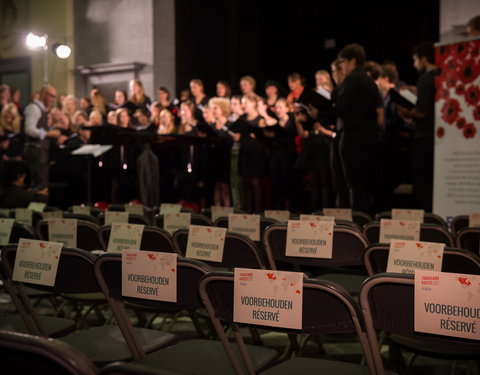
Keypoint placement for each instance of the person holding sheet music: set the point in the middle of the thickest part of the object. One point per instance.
(422, 115)
(356, 106)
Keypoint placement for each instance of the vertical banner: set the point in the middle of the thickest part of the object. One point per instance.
(457, 119)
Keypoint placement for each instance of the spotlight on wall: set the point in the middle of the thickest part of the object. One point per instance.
(61, 50)
(36, 41)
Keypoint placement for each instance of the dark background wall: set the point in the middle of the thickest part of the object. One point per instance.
(269, 39)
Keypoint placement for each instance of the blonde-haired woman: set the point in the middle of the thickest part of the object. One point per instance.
(220, 154)
(98, 102)
(10, 129)
(138, 99)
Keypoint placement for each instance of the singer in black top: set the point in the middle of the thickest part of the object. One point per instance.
(357, 102)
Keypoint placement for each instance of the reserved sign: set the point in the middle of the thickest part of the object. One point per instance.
(316, 218)
(206, 243)
(280, 215)
(408, 256)
(125, 236)
(474, 219)
(309, 239)
(23, 216)
(173, 222)
(5, 212)
(170, 208)
(36, 262)
(270, 298)
(339, 213)
(115, 217)
(399, 230)
(149, 275)
(81, 210)
(447, 304)
(6, 226)
(248, 225)
(37, 206)
(219, 211)
(401, 214)
(57, 214)
(63, 230)
(136, 209)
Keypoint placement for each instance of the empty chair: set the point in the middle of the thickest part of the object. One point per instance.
(265, 222)
(348, 248)
(358, 217)
(208, 212)
(94, 211)
(87, 234)
(101, 344)
(327, 309)
(468, 239)
(122, 368)
(153, 238)
(428, 218)
(191, 356)
(459, 222)
(84, 217)
(387, 301)
(454, 260)
(21, 231)
(428, 233)
(132, 219)
(239, 250)
(26, 354)
(195, 219)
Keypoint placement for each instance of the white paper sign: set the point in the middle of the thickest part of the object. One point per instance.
(170, 208)
(339, 213)
(219, 211)
(63, 230)
(316, 218)
(23, 216)
(115, 217)
(36, 262)
(447, 304)
(136, 209)
(37, 206)
(149, 275)
(125, 236)
(248, 225)
(399, 230)
(280, 215)
(270, 298)
(6, 226)
(310, 239)
(5, 212)
(82, 210)
(408, 256)
(474, 219)
(173, 222)
(401, 214)
(206, 243)
(57, 214)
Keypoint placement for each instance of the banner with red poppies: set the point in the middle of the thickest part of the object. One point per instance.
(457, 127)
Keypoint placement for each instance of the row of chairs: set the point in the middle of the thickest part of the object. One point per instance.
(327, 309)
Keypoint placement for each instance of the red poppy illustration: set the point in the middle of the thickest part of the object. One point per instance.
(450, 110)
(476, 113)
(420, 245)
(461, 123)
(469, 131)
(472, 95)
(464, 281)
(172, 270)
(441, 93)
(297, 291)
(473, 50)
(42, 245)
(440, 132)
(461, 51)
(468, 71)
(271, 276)
(152, 256)
(459, 89)
(313, 225)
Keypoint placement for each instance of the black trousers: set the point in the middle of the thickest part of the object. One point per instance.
(422, 172)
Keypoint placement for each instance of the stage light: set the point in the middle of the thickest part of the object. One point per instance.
(62, 50)
(36, 41)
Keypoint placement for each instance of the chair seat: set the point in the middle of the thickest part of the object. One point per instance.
(309, 366)
(55, 327)
(106, 343)
(440, 349)
(205, 357)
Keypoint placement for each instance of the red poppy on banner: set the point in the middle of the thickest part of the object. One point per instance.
(472, 95)
(461, 123)
(450, 110)
(440, 132)
(469, 131)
